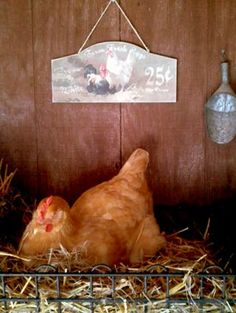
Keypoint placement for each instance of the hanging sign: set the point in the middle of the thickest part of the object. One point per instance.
(114, 72)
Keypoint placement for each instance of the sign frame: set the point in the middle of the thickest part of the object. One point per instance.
(114, 72)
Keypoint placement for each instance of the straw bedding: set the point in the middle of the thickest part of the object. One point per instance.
(188, 257)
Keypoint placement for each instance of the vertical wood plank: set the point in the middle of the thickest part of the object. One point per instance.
(173, 133)
(220, 159)
(78, 144)
(17, 111)
(66, 148)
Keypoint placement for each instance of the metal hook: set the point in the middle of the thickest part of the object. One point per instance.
(223, 55)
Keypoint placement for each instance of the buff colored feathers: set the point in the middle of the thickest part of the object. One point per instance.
(110, 223)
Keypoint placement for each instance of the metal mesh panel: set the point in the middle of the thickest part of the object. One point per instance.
(104, 291)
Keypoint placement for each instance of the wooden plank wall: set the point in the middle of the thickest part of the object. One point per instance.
(66, 148)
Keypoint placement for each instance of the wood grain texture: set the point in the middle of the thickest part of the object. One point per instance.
(67, 148)
(17, 112)
(220, 159)
(78, 144)
(173, 133)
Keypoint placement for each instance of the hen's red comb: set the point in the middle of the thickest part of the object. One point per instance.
(44, 206)
(49, 201)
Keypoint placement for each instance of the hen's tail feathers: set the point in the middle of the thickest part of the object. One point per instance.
(137, 162)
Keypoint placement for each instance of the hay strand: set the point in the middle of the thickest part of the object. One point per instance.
(186, 257)
(5, 179)
(180, 256)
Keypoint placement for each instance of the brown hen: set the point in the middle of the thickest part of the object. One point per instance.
(52, 227)
(110, 223)
(127, 201)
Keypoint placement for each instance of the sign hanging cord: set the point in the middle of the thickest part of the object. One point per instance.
(127, 19)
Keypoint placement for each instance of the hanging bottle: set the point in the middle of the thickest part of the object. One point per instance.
(220, 111)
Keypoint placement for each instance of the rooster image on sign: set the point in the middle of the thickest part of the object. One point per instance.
(114, 72)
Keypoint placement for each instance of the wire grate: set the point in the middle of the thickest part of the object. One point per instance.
(136, 292)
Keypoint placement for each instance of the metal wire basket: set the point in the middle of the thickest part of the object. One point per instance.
(221, 117)
(102, 290)
(221, 110)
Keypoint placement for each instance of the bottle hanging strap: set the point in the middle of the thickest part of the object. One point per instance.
(127, 19)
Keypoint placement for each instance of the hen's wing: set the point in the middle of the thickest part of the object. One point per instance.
(124, 196)
(147, 240)
(125, 204)
(124, 200)
(99, 242)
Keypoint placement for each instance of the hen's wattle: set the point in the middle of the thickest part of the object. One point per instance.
(110, 223)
